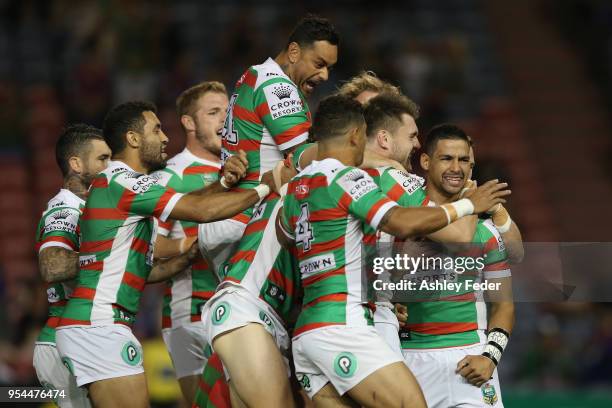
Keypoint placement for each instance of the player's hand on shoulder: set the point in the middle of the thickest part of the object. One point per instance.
(476, 369)
(401, 312)
(488, 195)
(235, 168)
(193, 254)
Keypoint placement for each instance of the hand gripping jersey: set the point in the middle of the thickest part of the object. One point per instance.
(116, 254)
(267, 115)
(58, 227)
(325, 208)
(187, 292)
(459, 318)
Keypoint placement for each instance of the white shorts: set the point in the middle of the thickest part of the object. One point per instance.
(341, 355)
(186, 346)
(434, 370)
(52, 374)
(218, 240)
(94, 353)
(387, 327)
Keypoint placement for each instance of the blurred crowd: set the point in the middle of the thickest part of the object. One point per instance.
(64, 61)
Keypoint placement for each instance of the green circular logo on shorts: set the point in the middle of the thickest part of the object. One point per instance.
(265, 318)
(221, 313)
(68, 364)
(345, 364)
(131, 354)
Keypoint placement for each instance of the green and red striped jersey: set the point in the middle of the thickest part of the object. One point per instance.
(267, 115)
(116, 253)
(58, 227)
(324, 210)
(187, 292)
(458, 318)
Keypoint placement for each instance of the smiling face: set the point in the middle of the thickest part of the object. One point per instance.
(405, 141)
(153, 143)
(448, 167)
(311, 64)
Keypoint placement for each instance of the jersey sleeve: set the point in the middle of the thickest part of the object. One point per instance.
(297, 155)
(362, 197)
(144, 196)
(286, 213)
(166, 179)
(404, 188)
(283, 112)
(494, 251)
(59, 228)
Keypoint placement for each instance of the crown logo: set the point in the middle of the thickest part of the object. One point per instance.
(61, 215)
(282, 91)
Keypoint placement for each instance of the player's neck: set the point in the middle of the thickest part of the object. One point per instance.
(132, 160)
(76, 186)
(437, 196)
(283, 61)
(344, 156)
(201, 152)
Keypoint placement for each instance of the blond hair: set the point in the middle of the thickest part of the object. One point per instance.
(366, 81)
(186, 100)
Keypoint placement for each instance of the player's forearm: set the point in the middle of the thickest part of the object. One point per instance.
(406, 223)
(167, 248)
(58, 264)
(212, 207)
(165, 269)
(459, 231)
(502, 315)
(514, 244)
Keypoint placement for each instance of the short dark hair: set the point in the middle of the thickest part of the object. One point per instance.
(74, 141)
(335, 115)
(313, 28)
(385, 112)
(444, 131)
(122, 119)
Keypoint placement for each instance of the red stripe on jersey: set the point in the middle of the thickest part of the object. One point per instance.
(258, 225)
(102, 214)
(442, 327)
(100, 182)
(246, 145)
(262, 109)
(396, 192)
(241, 218)
(231, 279)
(162, 202)
(96, 246)
(167, 225)
(345, 201)
(466, 297)
(191, 231)
(53, 321)
(312, 326)
(374, 209)
(369, 239)
(206, 294)
(324, 246)
(83, 293)
(292, 133)
(63, 240)
(251, 176)
(196, 318)
(201, 264)
(133, 281)
(243, 255)
(64, 321)
(250, 78)
(425, 201)
(166, 322)
(320, 276)
(280, 280)
(326, 214)
(332, 297)
(168, 290)
(201, 169)
(140, 245)
(219, 394)
(372, 172)
(491, 245)
(93, 266)
(497, 266)
(246, 115)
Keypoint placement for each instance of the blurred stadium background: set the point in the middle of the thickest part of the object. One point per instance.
(531, 81)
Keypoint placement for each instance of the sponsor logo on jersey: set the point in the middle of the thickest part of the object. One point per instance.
(317, 264)
(275, 292)
(142, 182)
(55, 204)
(356, 184)
(52, 295)
(221, 313)
(62, 220)
(258, 213)
(301, 191)
(489, 395)
(131, 354)
(86, 260)
(304, 381)
(409, 182)
(345, 364)
(283, 99)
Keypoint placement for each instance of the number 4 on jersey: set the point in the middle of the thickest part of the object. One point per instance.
(229, 134)
(304, 233)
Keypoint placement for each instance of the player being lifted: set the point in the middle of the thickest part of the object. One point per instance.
(268, 117)
(81, 153)
(444, 342)
(323, 212)
(94, 337)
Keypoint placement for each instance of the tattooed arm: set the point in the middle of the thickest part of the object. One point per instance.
(58, 264)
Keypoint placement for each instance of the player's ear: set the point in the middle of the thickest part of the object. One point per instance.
(188, 123)
(425, 161)
(384, 139)
(76, 164)
(294, 51)
(132, 139)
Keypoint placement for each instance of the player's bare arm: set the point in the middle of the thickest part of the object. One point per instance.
(410, 222)
(169, 247)
(58, 264)
(167, 268)
(478, 369)
(510, 233)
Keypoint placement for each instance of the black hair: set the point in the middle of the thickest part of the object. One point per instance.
(314, 28)
(122, 119)
(444, 131)
(385, 112)
(335, 115)
(74, 141)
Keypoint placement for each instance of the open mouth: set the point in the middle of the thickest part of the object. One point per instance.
(310, 85)
(454, 180)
